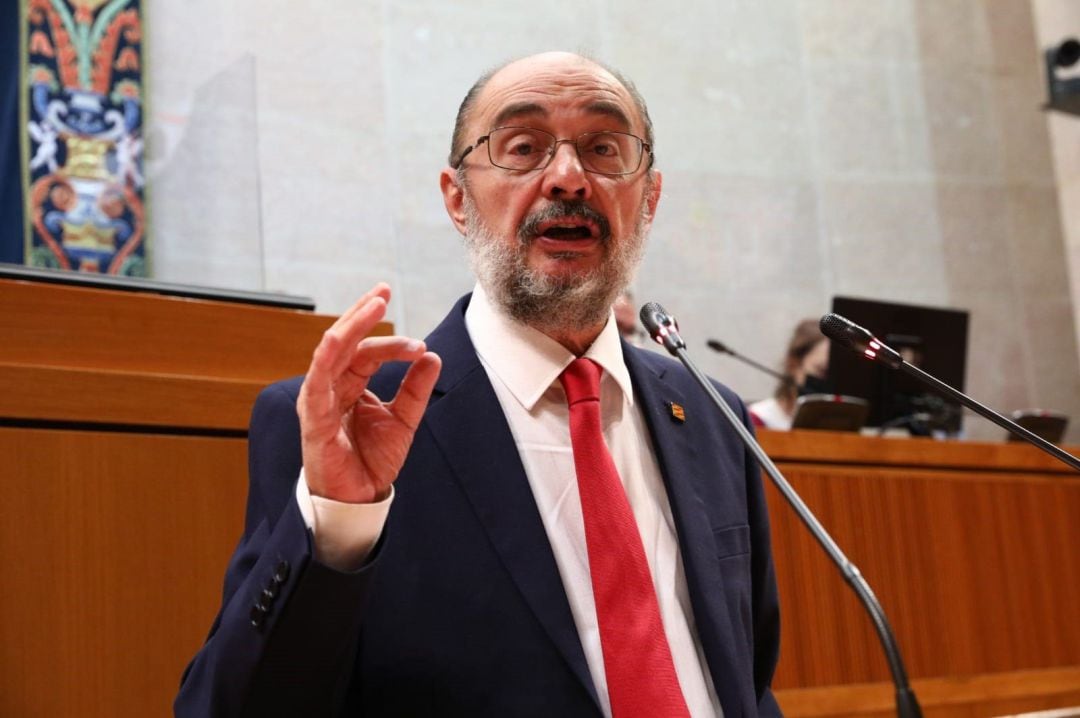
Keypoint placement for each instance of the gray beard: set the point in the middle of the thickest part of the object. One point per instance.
(550, 304)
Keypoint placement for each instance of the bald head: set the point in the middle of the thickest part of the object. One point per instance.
(550, 64)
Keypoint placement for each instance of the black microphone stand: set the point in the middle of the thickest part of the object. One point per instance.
(987, 413)
(663, 329)
(718, 346)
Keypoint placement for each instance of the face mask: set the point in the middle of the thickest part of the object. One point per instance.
(815, 385)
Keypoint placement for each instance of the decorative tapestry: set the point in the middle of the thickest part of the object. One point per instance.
(82, 110)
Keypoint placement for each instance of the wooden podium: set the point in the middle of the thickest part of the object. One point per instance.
(123, 424)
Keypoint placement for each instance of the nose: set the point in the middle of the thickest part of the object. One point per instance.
(564, 177)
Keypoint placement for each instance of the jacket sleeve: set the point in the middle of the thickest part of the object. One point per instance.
(284, 639)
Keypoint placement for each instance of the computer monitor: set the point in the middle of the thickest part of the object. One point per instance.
(933, 339)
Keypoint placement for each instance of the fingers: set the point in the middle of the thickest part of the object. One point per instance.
(412, 398)
(357, 321)
(371, 353)
(346, 358)
(374, 351)
(382, 290)
(339, 342)
(335, 350)
(348, 331)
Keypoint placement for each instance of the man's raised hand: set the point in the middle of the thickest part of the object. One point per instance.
(353, 443)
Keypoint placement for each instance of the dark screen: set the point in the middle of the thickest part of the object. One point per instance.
(933, 339)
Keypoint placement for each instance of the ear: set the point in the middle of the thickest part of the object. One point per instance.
(652, 198)
(453, 197)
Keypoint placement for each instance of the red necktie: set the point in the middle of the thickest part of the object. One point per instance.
(641, 676)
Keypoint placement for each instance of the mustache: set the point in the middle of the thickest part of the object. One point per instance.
(560, 209)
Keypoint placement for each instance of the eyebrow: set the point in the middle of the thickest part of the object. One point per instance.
(521, 110)
(610, 110)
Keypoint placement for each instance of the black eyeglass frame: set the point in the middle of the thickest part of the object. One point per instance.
(646, 148)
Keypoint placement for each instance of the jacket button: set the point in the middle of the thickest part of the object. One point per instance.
(268, 596)
(258, 615)
(281, 573)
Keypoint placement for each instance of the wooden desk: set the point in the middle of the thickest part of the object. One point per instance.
(973, 551)
(123, 432)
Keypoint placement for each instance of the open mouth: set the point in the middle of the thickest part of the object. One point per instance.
(567, 233)
(562, 221)
(568, 229)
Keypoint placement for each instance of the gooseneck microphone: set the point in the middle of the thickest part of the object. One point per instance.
(664, 330)
(662, 327)
(849, 334)
(854, 337)
(719, 346)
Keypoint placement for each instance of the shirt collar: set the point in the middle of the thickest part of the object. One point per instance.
(527, 361)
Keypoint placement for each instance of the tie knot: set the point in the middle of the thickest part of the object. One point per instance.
(581, 381)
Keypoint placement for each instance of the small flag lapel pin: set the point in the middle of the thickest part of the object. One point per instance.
(677, 412)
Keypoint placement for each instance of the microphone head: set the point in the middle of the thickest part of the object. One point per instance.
(849, 334)
(653, 316)
(662, 327)
(845, 331)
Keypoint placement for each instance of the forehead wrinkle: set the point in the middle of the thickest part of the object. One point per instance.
(595, 90)
(527, 110)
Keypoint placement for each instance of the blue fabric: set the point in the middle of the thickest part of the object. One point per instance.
(11, 196)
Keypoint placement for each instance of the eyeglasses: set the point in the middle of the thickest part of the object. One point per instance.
(524, 149)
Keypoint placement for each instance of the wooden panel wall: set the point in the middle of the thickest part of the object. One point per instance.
(123, 422)
(972, 550)
(115, 546)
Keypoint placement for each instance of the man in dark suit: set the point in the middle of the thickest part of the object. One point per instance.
(574, 531)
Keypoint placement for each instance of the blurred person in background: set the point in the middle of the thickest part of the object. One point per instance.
(626, 319)
(806, 363)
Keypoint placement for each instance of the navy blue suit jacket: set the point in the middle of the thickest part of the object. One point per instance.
(460, 609)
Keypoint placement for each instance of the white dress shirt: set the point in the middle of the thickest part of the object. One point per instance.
(524, 367)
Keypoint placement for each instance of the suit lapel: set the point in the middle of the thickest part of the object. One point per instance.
(679, 449)
(469, 426)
